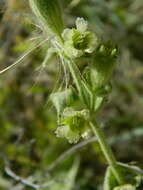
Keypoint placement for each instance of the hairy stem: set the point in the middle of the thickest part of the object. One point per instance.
(77, 78)
(84, 91)
(95, 128)
(106, 149)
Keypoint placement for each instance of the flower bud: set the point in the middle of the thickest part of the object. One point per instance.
(103, 64)
(49, 13)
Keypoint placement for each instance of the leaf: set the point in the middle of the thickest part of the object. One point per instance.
(67, 179)
(4, 183)
(98, 102)
(132, 174)
(49, 13)
(2, 8)
(125, 187)
(109, 180)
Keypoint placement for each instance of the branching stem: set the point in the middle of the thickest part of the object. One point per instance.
(96, 129)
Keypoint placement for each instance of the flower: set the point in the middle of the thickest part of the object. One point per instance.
(79, 41)
(73, 125)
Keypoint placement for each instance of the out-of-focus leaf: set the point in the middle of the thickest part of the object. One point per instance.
(4, 184)
(109, 181)
(132, 174)
(2, 8)
(67, 178)
(125, 187)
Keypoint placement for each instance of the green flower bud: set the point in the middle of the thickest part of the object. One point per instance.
(73, 125)
(79, 41)
(103, 64)
(49, 13)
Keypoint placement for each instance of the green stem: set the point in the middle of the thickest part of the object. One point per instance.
(96, 129)
(77, 78)
(84, 91)
(107, 152)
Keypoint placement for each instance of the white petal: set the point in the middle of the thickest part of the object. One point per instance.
(67, 34)
(81, 24)
(86, 135)
(70, 51)
(62, 131)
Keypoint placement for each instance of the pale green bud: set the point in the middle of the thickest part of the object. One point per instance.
(103, 63)
(49, 13)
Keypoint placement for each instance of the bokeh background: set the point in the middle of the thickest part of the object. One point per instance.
(28, 145)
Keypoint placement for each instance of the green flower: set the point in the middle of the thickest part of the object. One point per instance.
(79, 41)
(73, 125)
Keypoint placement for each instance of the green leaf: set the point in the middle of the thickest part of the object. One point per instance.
(4, 183)
(2, 8)
(110, 181)
(132, 174)
(125, 187)
(67, 178)
(49, 13)
(98, 102)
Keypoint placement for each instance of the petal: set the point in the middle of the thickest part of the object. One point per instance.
(62, 131)
(65, 132)
(72, 52)
(90, 50)
(67, 34)
(81, 24)
(73, 137)
(93, 42)
(86, 134)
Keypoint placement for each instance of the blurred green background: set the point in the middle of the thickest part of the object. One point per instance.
(28, 145)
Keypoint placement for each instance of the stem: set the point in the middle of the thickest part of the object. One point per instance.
(107, 152)
(95, 128)
(77, 79)
(76, 76)
(85, 93)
